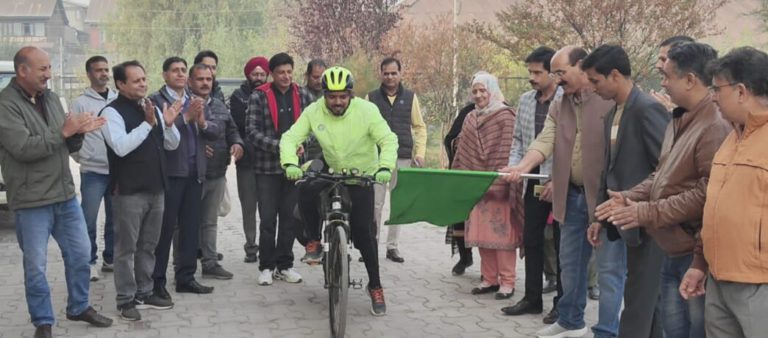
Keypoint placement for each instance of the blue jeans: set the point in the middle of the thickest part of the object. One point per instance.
(575, 252)
(680, 318)
(63, 220)
(93, 188)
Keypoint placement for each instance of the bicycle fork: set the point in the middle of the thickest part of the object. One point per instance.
(354, 283)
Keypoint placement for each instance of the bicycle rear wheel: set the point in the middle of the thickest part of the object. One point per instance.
(338, 283)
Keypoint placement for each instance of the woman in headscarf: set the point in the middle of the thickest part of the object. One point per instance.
(495, 224)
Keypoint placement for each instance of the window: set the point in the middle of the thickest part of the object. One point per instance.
(22, 29)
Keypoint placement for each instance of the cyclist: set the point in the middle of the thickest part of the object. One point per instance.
(350, 131)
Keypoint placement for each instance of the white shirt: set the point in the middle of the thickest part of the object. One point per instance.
(123, 143)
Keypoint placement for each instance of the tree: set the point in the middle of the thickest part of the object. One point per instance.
(638, 26)
(152, 30)
(335, 29)
(428, 68)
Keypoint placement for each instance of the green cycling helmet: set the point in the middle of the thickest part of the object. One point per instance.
(336, 79)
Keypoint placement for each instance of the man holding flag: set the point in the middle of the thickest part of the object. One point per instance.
(573, 135)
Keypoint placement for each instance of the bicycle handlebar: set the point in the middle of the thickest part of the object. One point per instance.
(361, 180)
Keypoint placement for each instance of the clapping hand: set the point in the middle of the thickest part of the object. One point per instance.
(171, 113)
(149, 112)
(80, 124)
(92, 124)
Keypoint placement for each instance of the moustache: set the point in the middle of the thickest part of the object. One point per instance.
(533, 83)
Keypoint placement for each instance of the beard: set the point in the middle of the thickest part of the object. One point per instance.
(256, 83)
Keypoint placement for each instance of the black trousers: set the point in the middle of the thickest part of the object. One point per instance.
(277, 199)
(183, 205)
(361, 222)
(536, 215)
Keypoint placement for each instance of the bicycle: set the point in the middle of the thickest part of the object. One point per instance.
(336, 242)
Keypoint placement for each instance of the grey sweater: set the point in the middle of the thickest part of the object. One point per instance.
(93, 155)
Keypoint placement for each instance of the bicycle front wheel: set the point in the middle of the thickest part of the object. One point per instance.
(338, 284)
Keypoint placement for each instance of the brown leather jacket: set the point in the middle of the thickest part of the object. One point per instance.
(672, 198)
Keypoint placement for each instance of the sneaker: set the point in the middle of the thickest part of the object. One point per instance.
(153, 302)
(107, 267)
(129, 312)
(217, 272)
(289, 275)
(557, 331)
(378, 306)
(314, 253)
(94, 273)
(265, 277)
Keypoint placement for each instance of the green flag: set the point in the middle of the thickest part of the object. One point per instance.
(440, 197)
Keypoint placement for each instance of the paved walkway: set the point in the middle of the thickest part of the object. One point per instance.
(423, 298)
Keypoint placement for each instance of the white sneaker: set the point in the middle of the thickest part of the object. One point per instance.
(94, 273)
(265, 277)
(289, 275)
(557, 331)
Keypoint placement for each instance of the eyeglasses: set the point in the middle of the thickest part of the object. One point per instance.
(716, 89)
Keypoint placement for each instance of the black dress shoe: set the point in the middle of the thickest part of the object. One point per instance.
(161, 292)
(193, 287)
(394, 255)
(551, 317)
(92, 317)
(550, 287)
(460, 267)
(251, 258)
(501, 295)
(522, 307)
(43, 331)
(483, 290)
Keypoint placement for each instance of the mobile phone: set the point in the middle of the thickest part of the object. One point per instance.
(537, 190)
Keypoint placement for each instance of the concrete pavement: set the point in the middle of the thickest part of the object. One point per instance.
(423, 298)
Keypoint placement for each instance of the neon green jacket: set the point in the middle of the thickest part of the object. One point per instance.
(348, 142)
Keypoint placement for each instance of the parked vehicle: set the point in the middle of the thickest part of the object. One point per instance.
(6, 73)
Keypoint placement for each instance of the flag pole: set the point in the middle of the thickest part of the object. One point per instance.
(529, 176)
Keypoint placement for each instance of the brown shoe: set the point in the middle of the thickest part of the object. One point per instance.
(43, 331)
(92, 317)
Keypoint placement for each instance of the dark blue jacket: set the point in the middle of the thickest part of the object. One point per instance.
(176, 160)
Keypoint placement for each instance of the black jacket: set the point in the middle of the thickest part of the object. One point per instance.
(228, 135)
(450, 149)
(637, 148)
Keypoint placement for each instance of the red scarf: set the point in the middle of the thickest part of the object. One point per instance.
(272, 101)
